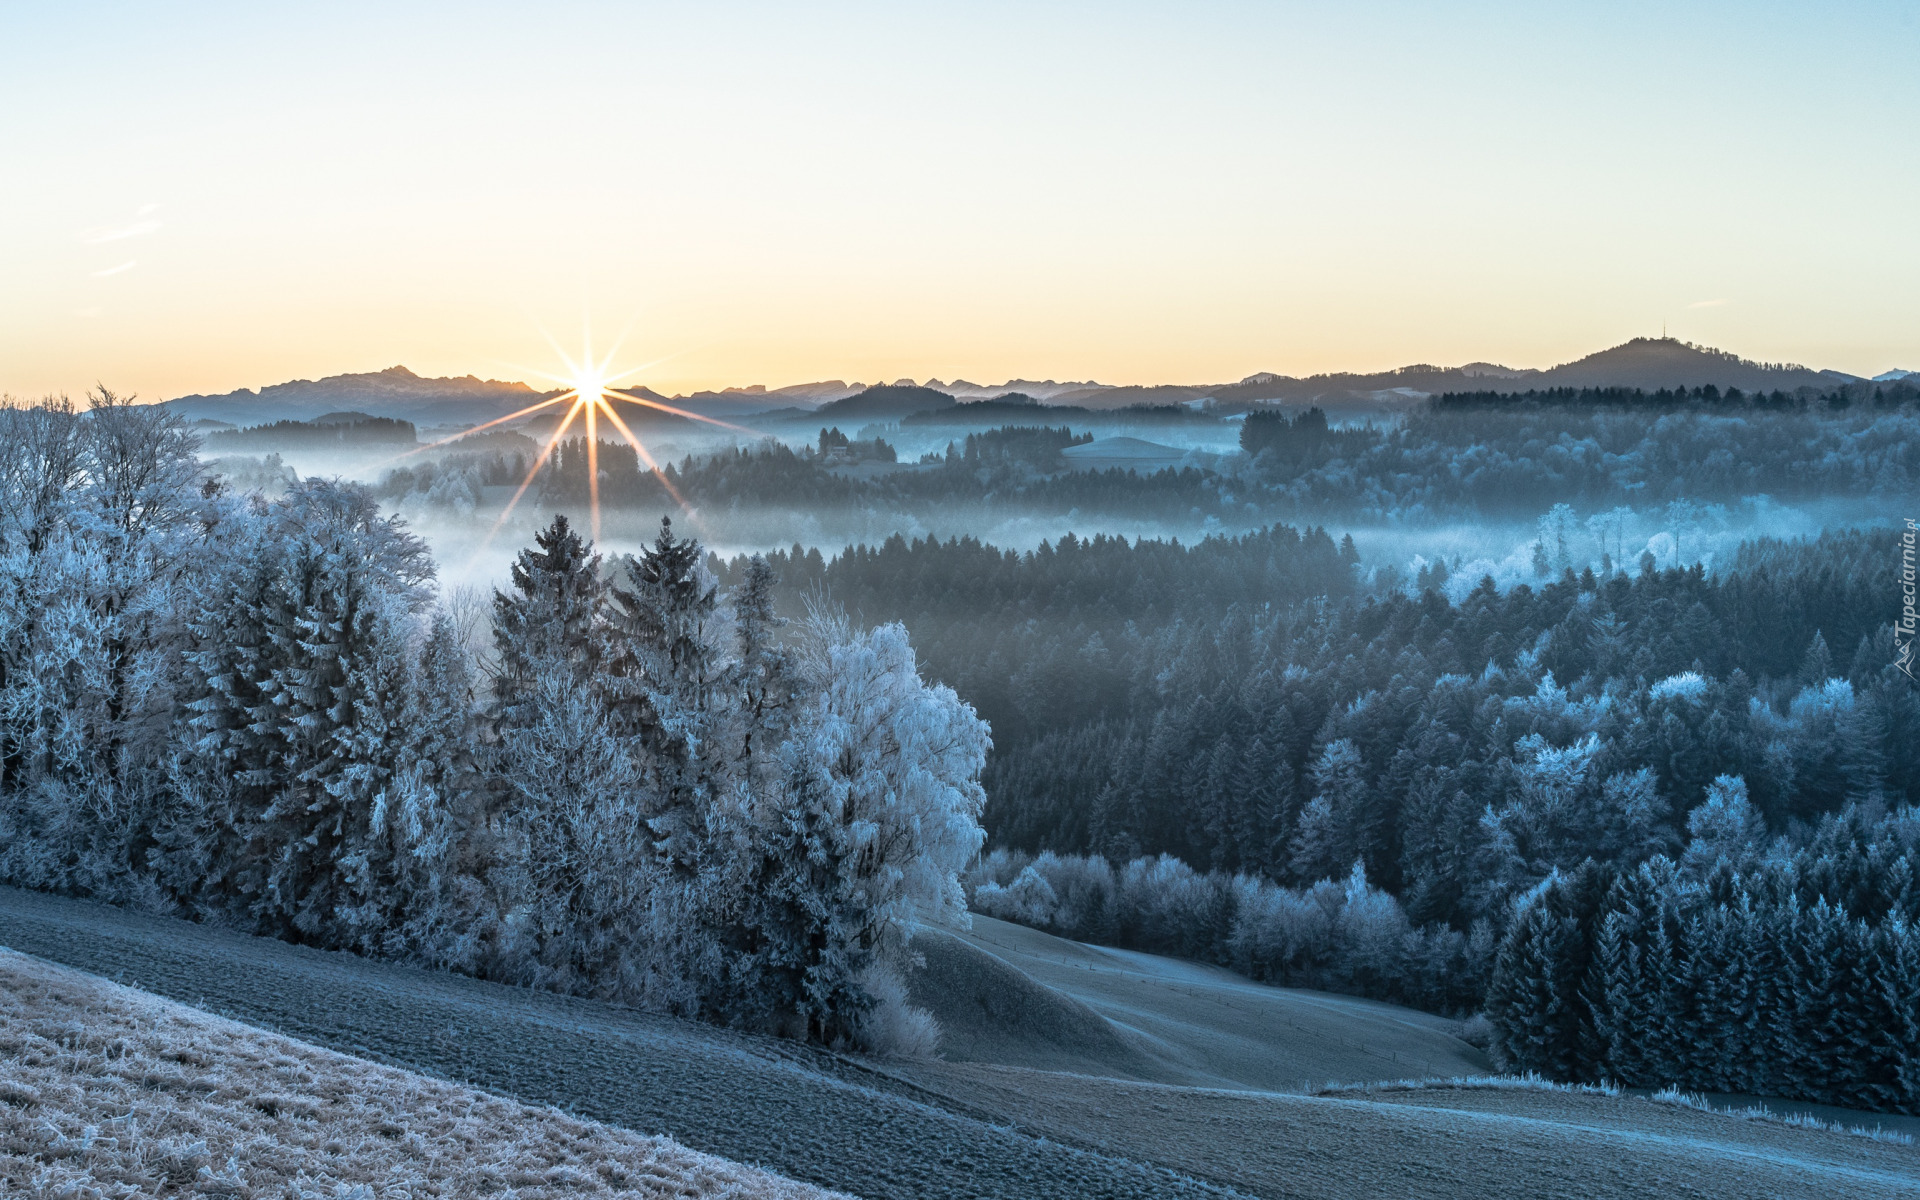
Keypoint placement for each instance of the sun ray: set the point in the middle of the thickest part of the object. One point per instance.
(589, 389)
(594, 404)
(470, 432)
(681, 412)
(640, 448)
(539, 461)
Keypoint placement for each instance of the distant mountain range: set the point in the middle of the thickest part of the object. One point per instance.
(1648, 363)
(394, 392)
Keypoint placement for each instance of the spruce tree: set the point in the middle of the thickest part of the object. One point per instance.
(553, 616)
(661, 681)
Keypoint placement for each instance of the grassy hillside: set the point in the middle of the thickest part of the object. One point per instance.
(789, 1108)
(1125, 1036)
(1166, 1021)
(102, 1086)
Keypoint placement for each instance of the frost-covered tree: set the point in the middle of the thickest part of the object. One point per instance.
(904, 756)
(1724, 828)
(1326, 839)
(296, 662)
(551, 618)
(97, 525)
(663, 683)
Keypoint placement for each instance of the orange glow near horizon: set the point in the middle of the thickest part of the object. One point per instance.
(1141, 194)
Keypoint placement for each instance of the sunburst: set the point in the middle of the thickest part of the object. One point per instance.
(590, 395)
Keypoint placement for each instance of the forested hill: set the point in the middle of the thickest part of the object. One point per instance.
(1468, 458)
(1234, 703)
(1657, 822)
(1831, 396)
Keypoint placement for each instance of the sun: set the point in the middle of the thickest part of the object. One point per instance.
(589, 393)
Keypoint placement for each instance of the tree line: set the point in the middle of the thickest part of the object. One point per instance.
(619, 782)
(1747, 966)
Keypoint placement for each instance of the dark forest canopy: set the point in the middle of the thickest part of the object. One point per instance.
(1148, 697)
(1575, 803)
(343, 429)
(1897, 394)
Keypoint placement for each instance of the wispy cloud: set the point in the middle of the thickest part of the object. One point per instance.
(125, 266)
(141, 225)
(1707, 304)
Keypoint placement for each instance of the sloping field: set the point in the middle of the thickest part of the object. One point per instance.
(1439, 1145)
(105, 1087)
(799, 1112)
(977, 1128)
(1170, 1021)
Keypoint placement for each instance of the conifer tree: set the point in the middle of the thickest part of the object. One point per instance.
(661, 682)
(552, 618)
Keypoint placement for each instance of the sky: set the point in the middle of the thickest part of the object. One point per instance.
(196, 198)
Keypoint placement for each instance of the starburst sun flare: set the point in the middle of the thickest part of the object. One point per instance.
(588, 396)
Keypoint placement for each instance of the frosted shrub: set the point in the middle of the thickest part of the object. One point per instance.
(891, 1027)
(1344, 935)
(1688, 686)
(1029, 900)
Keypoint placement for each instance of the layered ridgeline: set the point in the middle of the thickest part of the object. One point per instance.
(1470, 457)
(1643, 363)
(253, 711)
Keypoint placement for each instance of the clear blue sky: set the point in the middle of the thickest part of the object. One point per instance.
(204, 197)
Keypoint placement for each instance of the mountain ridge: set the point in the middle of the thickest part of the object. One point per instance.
(1646, 363)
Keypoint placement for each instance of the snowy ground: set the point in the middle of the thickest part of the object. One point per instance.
(104, 1087)
(986, 1128)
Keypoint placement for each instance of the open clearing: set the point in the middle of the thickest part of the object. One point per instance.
(1111, 1118)
(1166, 1021)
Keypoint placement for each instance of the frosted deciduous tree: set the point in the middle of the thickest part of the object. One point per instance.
(96, 525)
(1724, 828)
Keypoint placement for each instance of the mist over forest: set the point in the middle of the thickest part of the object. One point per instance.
(1537, 707)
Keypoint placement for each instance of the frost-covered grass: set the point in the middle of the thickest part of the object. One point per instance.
(1531, 1082)
(108, 1092)
(1760, 1112)
(1528, 1082)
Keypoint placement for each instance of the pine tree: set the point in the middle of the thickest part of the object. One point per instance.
(335, 693)
(1524, 1000)
(1816, 667)
(661, 682)
(438, 816)
(553, 615)
(765, 683)
(1820, 1019)
(1324, 845)
(1616, 992)
(798, 957)
(358, 898)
